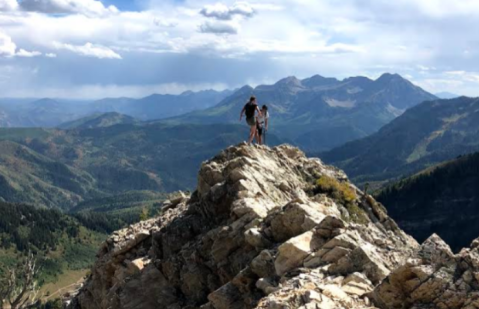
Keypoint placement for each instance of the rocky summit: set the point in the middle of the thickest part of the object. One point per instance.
(271, 228)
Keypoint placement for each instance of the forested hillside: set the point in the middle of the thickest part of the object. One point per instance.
(443, 199)
(59, 242)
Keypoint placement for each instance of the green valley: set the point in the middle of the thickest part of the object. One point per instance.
(62, 168)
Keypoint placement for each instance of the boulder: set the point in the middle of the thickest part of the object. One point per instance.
(292, 253)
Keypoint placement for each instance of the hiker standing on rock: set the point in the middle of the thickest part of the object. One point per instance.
(250, 110)
(262, 125)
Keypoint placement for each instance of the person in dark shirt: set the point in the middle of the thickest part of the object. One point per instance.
(250, 109)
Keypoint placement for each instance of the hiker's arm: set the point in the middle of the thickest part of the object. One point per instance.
(266, 121)
(259, 111)
(242, 112)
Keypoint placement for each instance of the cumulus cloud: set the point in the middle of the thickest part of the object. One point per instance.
(7, 46)
(218, 27)
(51, 55)
(87, 7)
(28, 54)
(223, 12)
(89, 50)
(8, 5)
(164, 23)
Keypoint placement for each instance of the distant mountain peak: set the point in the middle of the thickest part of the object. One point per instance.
(187, 93)
(357, 78)
(388, 77)
(290, 80)
(318, 80)
(246, 88)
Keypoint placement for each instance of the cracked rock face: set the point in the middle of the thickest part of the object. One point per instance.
(433, 278)
(254, 236)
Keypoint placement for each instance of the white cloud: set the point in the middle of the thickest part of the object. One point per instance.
(8, 5)
(51, 55)
(423, 39)
(219, 27)
(89, 50)
(7, 46)
(87, 7)
(28, 54)
(224, 12)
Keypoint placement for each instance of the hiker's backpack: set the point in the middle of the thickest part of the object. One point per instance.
(250, 108)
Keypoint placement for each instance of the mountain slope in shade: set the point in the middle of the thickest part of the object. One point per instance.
(442, 200)
(424, 135)
(320, 113)
(99, 121)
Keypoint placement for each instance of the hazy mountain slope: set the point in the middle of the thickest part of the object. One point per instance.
(29, 177)
(427, 134)
(52, 113)
(160, 106)
(319, 113)
(446, 95)
(442, 200)
(148, 157)
(64, 167)
(98, 121)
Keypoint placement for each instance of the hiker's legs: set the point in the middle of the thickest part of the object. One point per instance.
(252, 134)
(259, 138)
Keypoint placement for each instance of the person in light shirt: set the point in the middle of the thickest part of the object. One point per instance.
(262, 120)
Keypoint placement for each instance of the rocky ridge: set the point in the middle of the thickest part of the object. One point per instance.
(259, 233)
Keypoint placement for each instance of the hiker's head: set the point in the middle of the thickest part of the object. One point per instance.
(264, 108)
(252, 99)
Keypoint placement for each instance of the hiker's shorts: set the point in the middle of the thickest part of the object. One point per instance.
(259, 129)
(251, 121)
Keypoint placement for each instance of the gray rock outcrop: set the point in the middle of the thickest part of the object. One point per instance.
(258, 234)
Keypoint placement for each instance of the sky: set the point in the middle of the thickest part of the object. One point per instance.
(90, 49)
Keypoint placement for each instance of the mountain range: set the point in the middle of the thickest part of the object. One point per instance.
(316, 113)
(320, 113)
(52, 113)
(427, 134)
